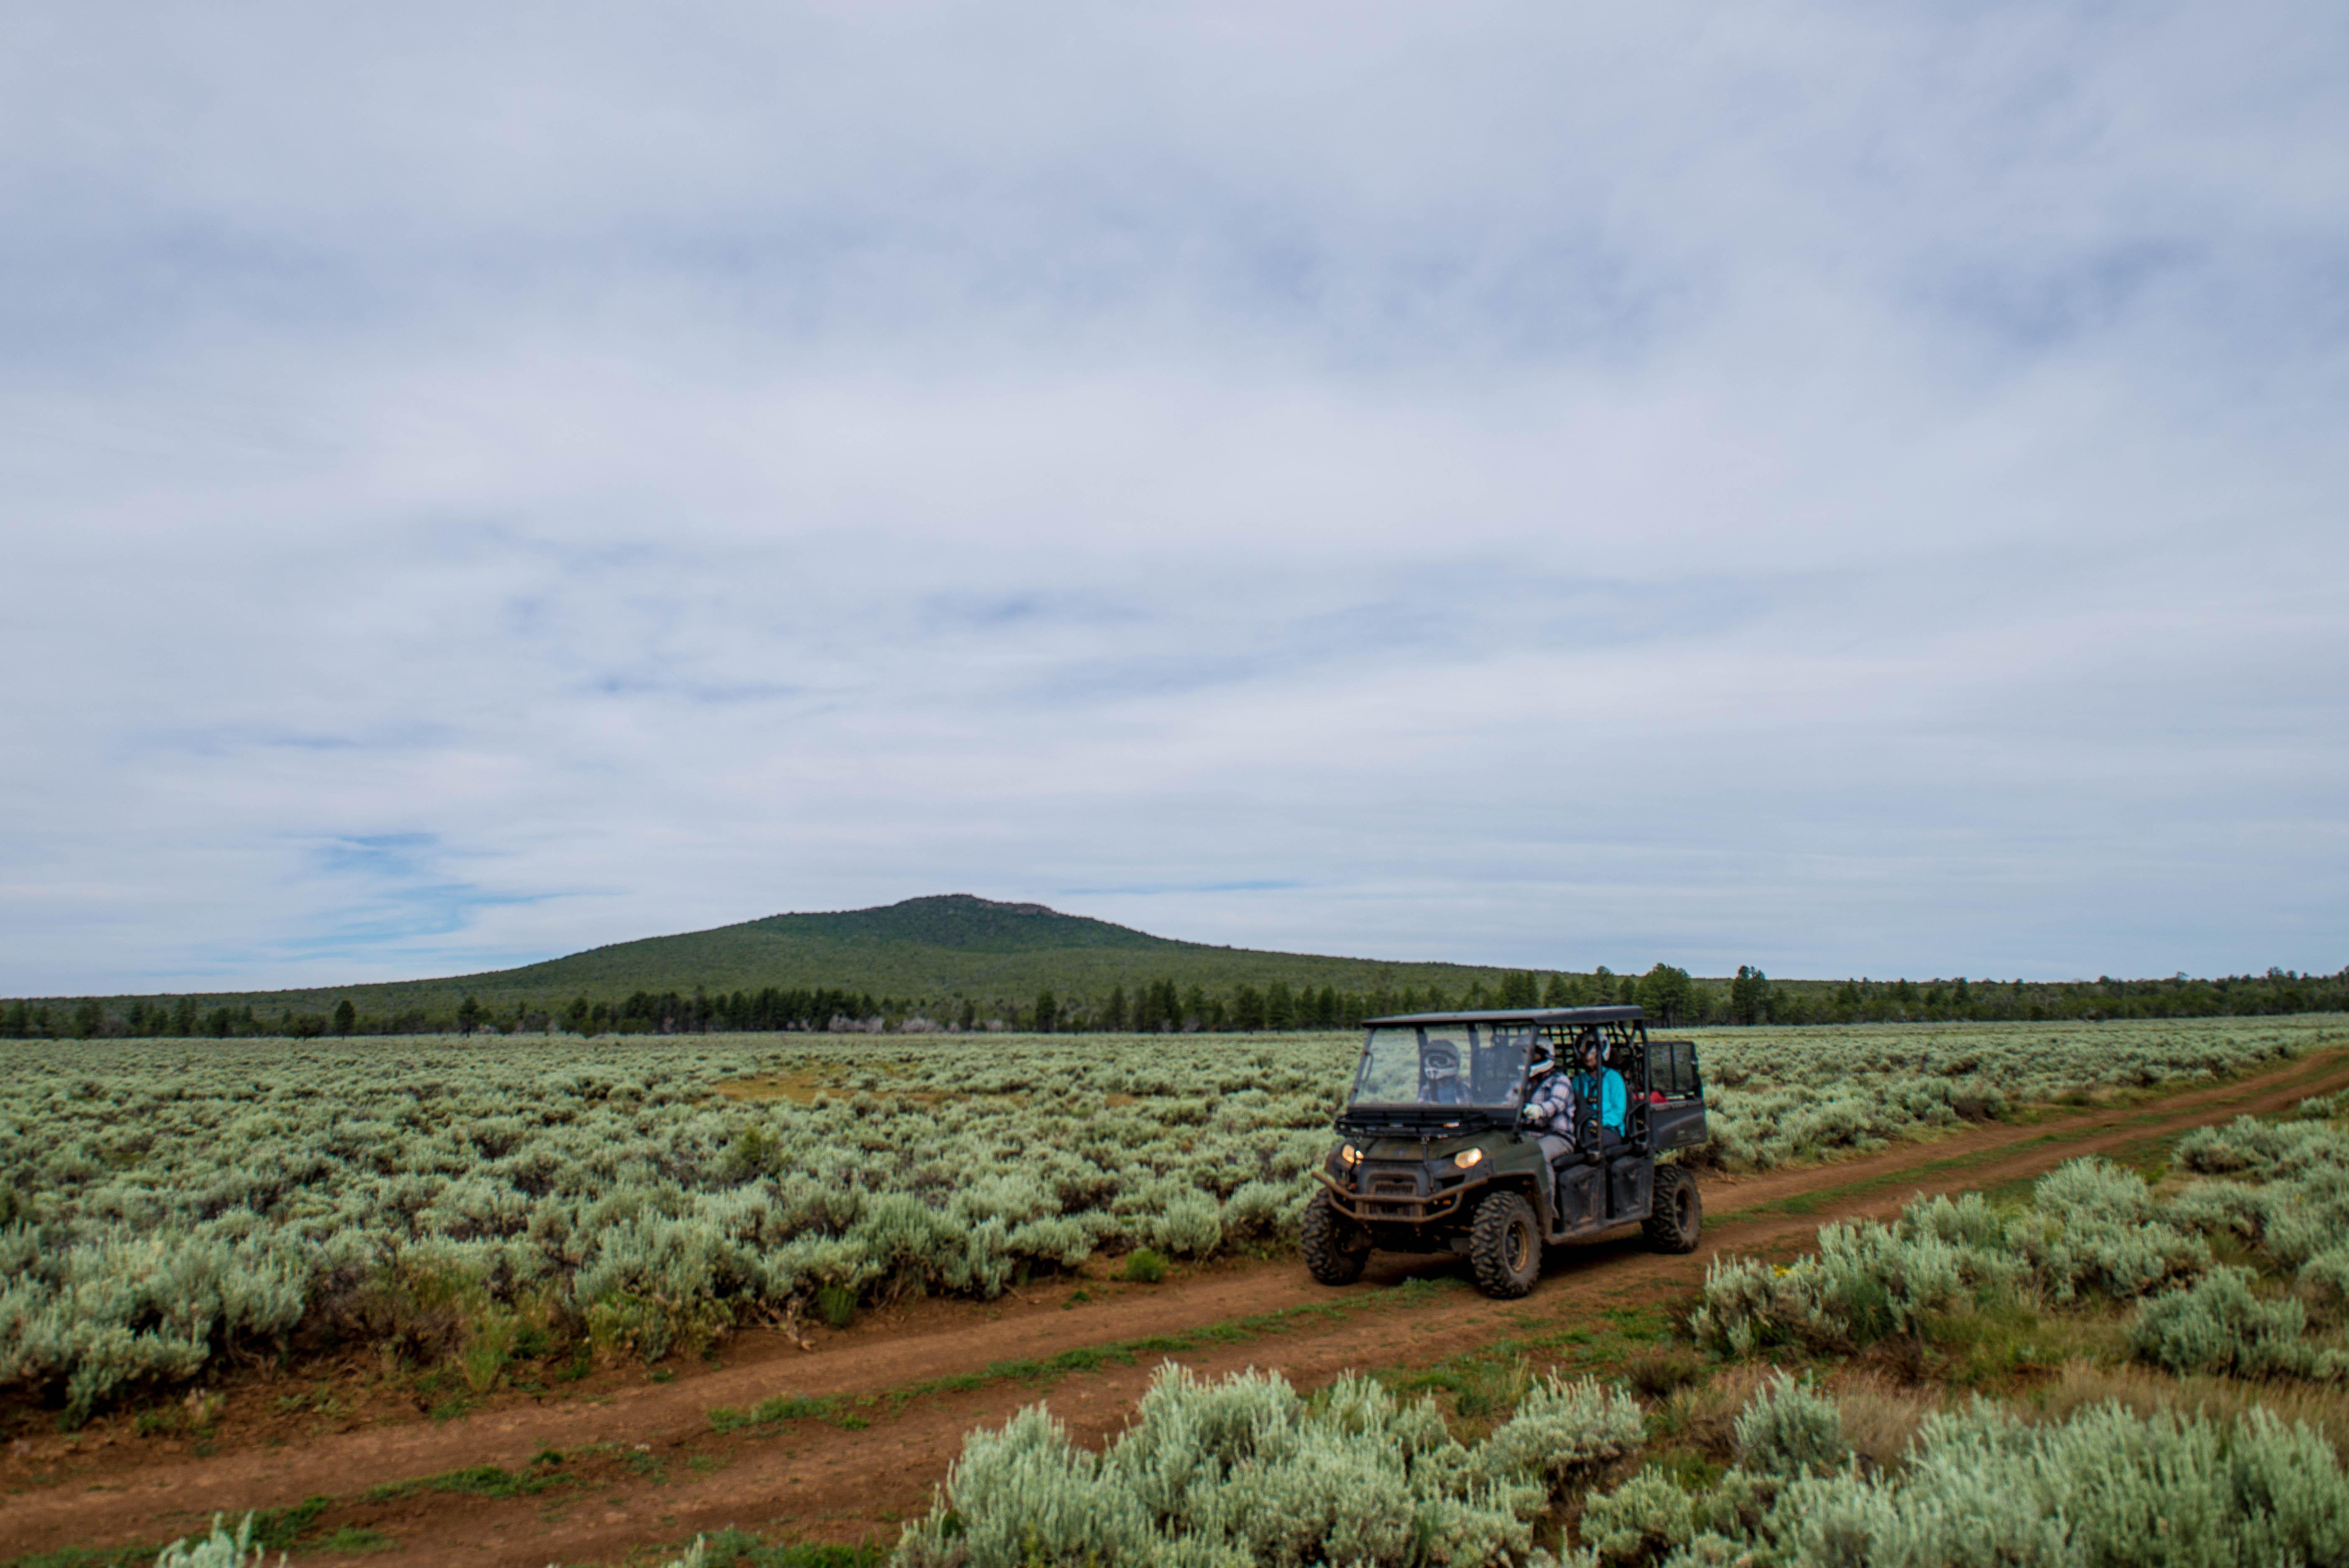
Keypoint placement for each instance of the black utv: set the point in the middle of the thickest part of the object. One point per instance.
(1437, 1157)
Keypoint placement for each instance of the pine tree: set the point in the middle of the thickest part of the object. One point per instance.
(1114, 1015)
(347, 1017)
(1664, 992)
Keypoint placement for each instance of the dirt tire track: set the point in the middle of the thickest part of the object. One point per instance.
(825, 1483)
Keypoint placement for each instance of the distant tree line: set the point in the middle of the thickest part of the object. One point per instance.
(1668, 995)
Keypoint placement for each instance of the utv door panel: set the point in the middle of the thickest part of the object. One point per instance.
(1676, 1124)
(1578, 1196)
(1628, 1188)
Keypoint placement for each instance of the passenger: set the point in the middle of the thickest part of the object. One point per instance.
(1549, 1106)
(1439, 1075)
(1599, 1087)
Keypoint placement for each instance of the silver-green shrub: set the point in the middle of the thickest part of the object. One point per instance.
(1639, 1521)
(1235, 1472)
(1788, 1430)
(1563, 1432)
(2220, 1325)
(218, 1549)
(1982, 1488)
(2093, 1227)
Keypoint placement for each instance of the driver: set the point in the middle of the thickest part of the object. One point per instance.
(1439, 1075)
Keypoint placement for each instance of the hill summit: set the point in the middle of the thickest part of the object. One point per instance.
(932, 954)
(963, 922)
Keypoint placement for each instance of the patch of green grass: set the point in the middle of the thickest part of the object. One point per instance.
(1872, 1186)
(88, 1557)
(477, 1480)
(837, 1304)
(1144, 1267)
(730, 1548)
(353, 1539)
(1999, 1347)
(279, 1528)
(795, 1408)
(1083, 1358)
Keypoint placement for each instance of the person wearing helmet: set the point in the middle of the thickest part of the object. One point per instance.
(1550, 1104)
(1439, 1075)
(1598, 1089)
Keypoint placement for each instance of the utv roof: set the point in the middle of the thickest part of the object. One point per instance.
(1521, 1015)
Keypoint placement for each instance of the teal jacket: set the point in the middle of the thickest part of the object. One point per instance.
(1604, 1089)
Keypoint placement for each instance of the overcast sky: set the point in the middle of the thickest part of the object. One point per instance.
(1854, 488)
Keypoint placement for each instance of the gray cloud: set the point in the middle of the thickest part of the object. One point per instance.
(1849, 489)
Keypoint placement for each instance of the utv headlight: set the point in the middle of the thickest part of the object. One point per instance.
(1349, 1154)
(1467, 1157)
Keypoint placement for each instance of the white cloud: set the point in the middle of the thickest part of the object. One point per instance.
(1836, 489)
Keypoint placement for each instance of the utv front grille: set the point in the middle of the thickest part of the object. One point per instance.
(1393, 1194)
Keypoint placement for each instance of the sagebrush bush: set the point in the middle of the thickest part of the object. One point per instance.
(2093, 1229)
(1984, 1486)
(1242, 1472)
(1639, 1521)
(2220, 1325)
(1238, 1471)
(218, 1549)
(1787, 1429)
(1563, 1433)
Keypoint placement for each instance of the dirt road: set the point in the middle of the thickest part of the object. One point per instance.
(890, 1399)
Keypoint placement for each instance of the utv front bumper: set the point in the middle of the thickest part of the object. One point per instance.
(1399, 1192)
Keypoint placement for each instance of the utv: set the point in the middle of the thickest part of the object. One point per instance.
(1436, 1157)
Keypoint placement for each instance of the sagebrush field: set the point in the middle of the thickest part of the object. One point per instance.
(481, 1205)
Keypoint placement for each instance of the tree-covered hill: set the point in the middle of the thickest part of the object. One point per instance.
(935, 953)
(961, 961)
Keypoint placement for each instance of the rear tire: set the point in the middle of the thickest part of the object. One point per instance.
(1676, 1217)
(1505, 1245)
(1336, 1251)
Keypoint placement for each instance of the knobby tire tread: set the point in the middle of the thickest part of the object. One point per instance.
(1663, 1228)
(1487, 1242)
(1327, 1256)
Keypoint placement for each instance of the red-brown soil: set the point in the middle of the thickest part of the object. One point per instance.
(643, 1466)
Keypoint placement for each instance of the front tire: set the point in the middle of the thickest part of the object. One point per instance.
(1505, 1245)
(1336, 1252)
(1676, 1217)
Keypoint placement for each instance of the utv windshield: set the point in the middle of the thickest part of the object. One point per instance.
(1445, 1065)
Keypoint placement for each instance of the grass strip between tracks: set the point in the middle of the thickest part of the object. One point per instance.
(846, 1411)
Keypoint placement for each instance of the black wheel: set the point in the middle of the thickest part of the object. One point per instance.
(1335, 1247)
(1676, 1218)
(1505, 1245)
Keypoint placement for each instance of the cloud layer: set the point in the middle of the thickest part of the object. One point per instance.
(1850, 490)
